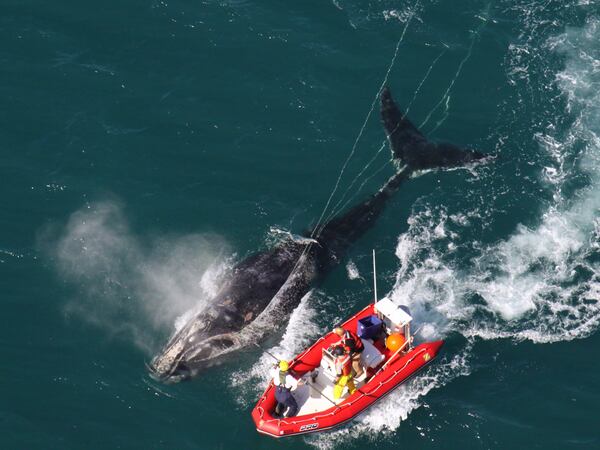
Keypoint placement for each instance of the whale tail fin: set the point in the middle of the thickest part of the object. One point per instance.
(412, 148)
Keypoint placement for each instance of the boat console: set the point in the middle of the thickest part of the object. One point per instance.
(395, 318)
(369, 358)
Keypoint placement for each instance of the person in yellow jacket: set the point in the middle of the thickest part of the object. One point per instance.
(343, 368)
(284, 385)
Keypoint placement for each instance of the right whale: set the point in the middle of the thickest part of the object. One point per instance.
(262, 290)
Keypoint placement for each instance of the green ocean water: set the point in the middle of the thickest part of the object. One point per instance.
(148, 146)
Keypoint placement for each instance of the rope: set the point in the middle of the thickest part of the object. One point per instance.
(446, 95)
(337, 210)
(316, 231)
(362, 128)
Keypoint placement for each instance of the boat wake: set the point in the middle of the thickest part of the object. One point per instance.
(542, 282)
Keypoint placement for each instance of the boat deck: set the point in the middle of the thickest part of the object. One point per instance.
(317, 394)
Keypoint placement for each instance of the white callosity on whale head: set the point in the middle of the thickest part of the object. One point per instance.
(191, 350)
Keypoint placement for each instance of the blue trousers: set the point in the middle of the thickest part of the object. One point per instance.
(285, 400)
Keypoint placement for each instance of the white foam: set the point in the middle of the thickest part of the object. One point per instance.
(536, 267)
(352, 271)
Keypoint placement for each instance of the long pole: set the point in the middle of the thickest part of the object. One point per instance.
(374, 277)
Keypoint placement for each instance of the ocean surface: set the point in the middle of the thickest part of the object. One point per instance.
(148, 146)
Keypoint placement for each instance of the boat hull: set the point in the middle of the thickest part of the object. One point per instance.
(394, 371)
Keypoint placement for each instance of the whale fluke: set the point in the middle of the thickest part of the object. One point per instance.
(411, 147)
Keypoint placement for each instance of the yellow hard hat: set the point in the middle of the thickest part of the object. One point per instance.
(283, 366)
(339, 331)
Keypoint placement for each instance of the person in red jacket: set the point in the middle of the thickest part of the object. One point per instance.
(354, 343)
(343, 368)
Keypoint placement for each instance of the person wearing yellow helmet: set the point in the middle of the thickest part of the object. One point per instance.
(284, 385)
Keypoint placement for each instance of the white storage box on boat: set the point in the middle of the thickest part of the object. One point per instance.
(393, 316)
(370, 356)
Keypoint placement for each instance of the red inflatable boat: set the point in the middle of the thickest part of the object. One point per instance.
(386, 368)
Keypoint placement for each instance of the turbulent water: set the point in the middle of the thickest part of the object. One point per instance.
(149, 146)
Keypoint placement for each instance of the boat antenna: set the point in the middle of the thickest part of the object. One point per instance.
(374, 277)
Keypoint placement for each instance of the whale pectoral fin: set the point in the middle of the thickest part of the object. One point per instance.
(400, 131)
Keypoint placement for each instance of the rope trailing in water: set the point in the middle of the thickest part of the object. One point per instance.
(446, 96)
(337, 210)
(316, 230)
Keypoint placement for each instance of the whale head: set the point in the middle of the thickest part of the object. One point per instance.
(197, 346)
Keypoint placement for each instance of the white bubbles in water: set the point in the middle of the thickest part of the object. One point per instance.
(352, 271)
(547, 273)
(425, 282)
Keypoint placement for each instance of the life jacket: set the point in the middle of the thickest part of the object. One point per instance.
(353, 342)
(282, 383)
(343, 365)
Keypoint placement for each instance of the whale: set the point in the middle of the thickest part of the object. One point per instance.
(259, 294)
